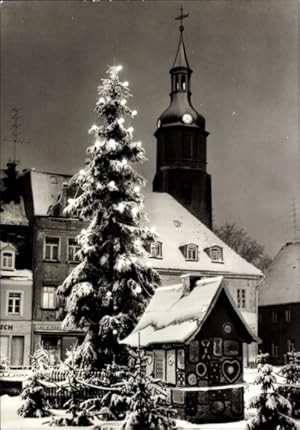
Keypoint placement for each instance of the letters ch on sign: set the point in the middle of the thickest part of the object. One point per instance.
(6, 327)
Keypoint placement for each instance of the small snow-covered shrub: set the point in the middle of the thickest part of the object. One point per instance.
(34, 404)
(34, 400)
(272, 408)
(291, 373)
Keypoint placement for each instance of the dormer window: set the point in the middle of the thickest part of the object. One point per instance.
(215, 253)
(190, 252)
(8, 258)
(156, 250)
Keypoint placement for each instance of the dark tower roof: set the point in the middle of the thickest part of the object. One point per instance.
(181, 106)
(181, 57)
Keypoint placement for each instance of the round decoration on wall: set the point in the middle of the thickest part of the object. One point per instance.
(201, 369)
(192, 379)
(227, 328)
(170, 360)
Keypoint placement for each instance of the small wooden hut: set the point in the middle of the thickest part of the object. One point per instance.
(193, 335)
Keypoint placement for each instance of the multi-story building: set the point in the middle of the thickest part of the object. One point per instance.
(15, 309)
(54, 256)
(185, 245)
(279, 304)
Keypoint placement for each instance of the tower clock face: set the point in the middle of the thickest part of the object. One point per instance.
(187, 118)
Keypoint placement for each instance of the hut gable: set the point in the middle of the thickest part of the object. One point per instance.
(177, 316)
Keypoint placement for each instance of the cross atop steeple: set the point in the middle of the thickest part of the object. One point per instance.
(182, 16)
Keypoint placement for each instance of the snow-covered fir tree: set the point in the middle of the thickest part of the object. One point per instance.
(108, 290)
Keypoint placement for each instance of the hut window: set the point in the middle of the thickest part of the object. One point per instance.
(241, 298)
(171, 367)
(159, 368)
(156, 250)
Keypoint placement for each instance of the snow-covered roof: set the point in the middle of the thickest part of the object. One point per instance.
(176, 227)
(174, 316)
(46, 188)
(5, 245)
(282, 282)
(16, 274)
(13, 213)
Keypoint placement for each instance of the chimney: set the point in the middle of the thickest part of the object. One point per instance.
(189, 282)
(64, 197)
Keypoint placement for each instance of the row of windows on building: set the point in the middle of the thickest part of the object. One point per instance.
(275, 351)
(50, 301)
(52, 249)
(189, 251)
(287, 316)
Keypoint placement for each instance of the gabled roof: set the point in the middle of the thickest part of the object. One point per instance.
(5, 245)
(176, 227)
(282, 282)
(173, 316)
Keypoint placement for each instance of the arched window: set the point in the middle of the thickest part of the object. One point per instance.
(215, 253)
(183, 83)
(8, 260)
(192, 252)
(177, 83)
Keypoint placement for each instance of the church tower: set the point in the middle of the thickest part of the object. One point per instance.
(181, 144)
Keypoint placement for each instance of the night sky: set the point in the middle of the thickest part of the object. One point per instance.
(244, 56)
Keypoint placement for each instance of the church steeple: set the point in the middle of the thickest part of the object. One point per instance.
(181, 143)
(181, 71)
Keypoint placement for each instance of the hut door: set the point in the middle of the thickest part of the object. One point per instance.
(171, 368)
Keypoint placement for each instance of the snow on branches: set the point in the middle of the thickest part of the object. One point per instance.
(99, 292)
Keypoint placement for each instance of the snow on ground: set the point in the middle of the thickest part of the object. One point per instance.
(10, 420)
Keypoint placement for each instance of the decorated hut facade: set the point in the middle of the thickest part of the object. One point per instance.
(193, 335)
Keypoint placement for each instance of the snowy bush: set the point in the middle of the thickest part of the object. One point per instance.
(272, 408)
(34, 402)
(291, 373)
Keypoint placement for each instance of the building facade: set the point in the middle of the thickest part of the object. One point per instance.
(181, 163)
(185, 245)
(15, 309)
(279, 304)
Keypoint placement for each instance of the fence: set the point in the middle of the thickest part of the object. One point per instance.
(56, 386)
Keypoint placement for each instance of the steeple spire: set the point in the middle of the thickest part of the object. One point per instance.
(181, 57)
